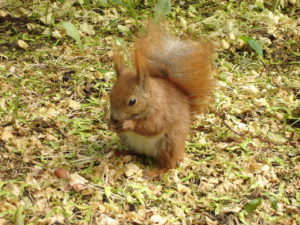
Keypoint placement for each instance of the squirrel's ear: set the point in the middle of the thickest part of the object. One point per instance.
(141, 70)
(142, 76)
(119, 62)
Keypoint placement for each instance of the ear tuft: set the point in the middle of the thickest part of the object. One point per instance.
(140, 66)
(119, 62)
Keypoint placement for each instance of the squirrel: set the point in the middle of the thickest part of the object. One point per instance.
(154, 103)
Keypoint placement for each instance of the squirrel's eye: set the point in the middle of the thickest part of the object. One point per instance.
(132, 101)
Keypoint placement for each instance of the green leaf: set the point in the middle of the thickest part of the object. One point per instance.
(72, 32)
(254, 44)
(251, 205)
(162, 9)
(260, 4)
(107, 191)
(242, 218)
(2, 68)
(278, 160)
(298, 196)
(245, 143)
(188, 177)
(19, 218)
(281, 190)
(139, 197)
(274, 202)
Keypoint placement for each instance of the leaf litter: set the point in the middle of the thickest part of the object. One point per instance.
(242, 161)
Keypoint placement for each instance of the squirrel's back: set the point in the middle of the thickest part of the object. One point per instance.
(186, 63)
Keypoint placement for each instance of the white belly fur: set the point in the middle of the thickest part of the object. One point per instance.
(142, 144)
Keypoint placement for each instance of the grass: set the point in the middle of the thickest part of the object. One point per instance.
(242, 161)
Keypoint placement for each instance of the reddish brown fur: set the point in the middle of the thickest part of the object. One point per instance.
(168, 87)
(195, 64)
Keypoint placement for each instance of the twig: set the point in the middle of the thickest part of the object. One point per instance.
(7, 124)
(237, 133)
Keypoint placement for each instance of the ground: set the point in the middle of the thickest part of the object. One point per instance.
(242, 162)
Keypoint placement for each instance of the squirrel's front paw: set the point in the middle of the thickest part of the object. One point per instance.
(116, 127)
(128, 125)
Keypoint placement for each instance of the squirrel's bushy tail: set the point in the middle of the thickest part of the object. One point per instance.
(186, 63)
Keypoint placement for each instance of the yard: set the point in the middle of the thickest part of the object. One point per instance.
(242, 163)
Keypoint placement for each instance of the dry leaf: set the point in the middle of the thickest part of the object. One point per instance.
(111, 207)
(261, 102)
(56, 34)
(250, 90)
(225, 44)
(3, 221)
(74, 105)
(3, 13)
(31, 26)
(56, 219)
(157, 219)
(231, 209)
(179, 212)
(77, 179)
(210, 222)
(22, 44)
(183, 189)
(47, 20)
(133, 216)
(131, 169)
(78, 182)
(78, 186)
(106, 220)
(88, 29)
(6, 133)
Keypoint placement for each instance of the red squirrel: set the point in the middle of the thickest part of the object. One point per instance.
(152, 104)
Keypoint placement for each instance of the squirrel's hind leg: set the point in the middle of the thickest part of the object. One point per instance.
(170, 154)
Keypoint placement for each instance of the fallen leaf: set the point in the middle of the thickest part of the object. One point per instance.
(112, 207)
(19, 217)
(251, 205)
(47, 20)
(77, 179)
(131, 169)
(78, 182)
(179, 212)
(261, 102)
(3, 13)
(3, 221)
(210, 221)
(6, 133)
(88, 29)
(22, 44)
(2, 67)
(72, 32)
(56, 34)
(231, 209)
(123, 29)
(183, 189)
(224, 44)
(106, 220)
(250, 90)
(78, 187)
(133, 216)
(74, 105)
(157, 219)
